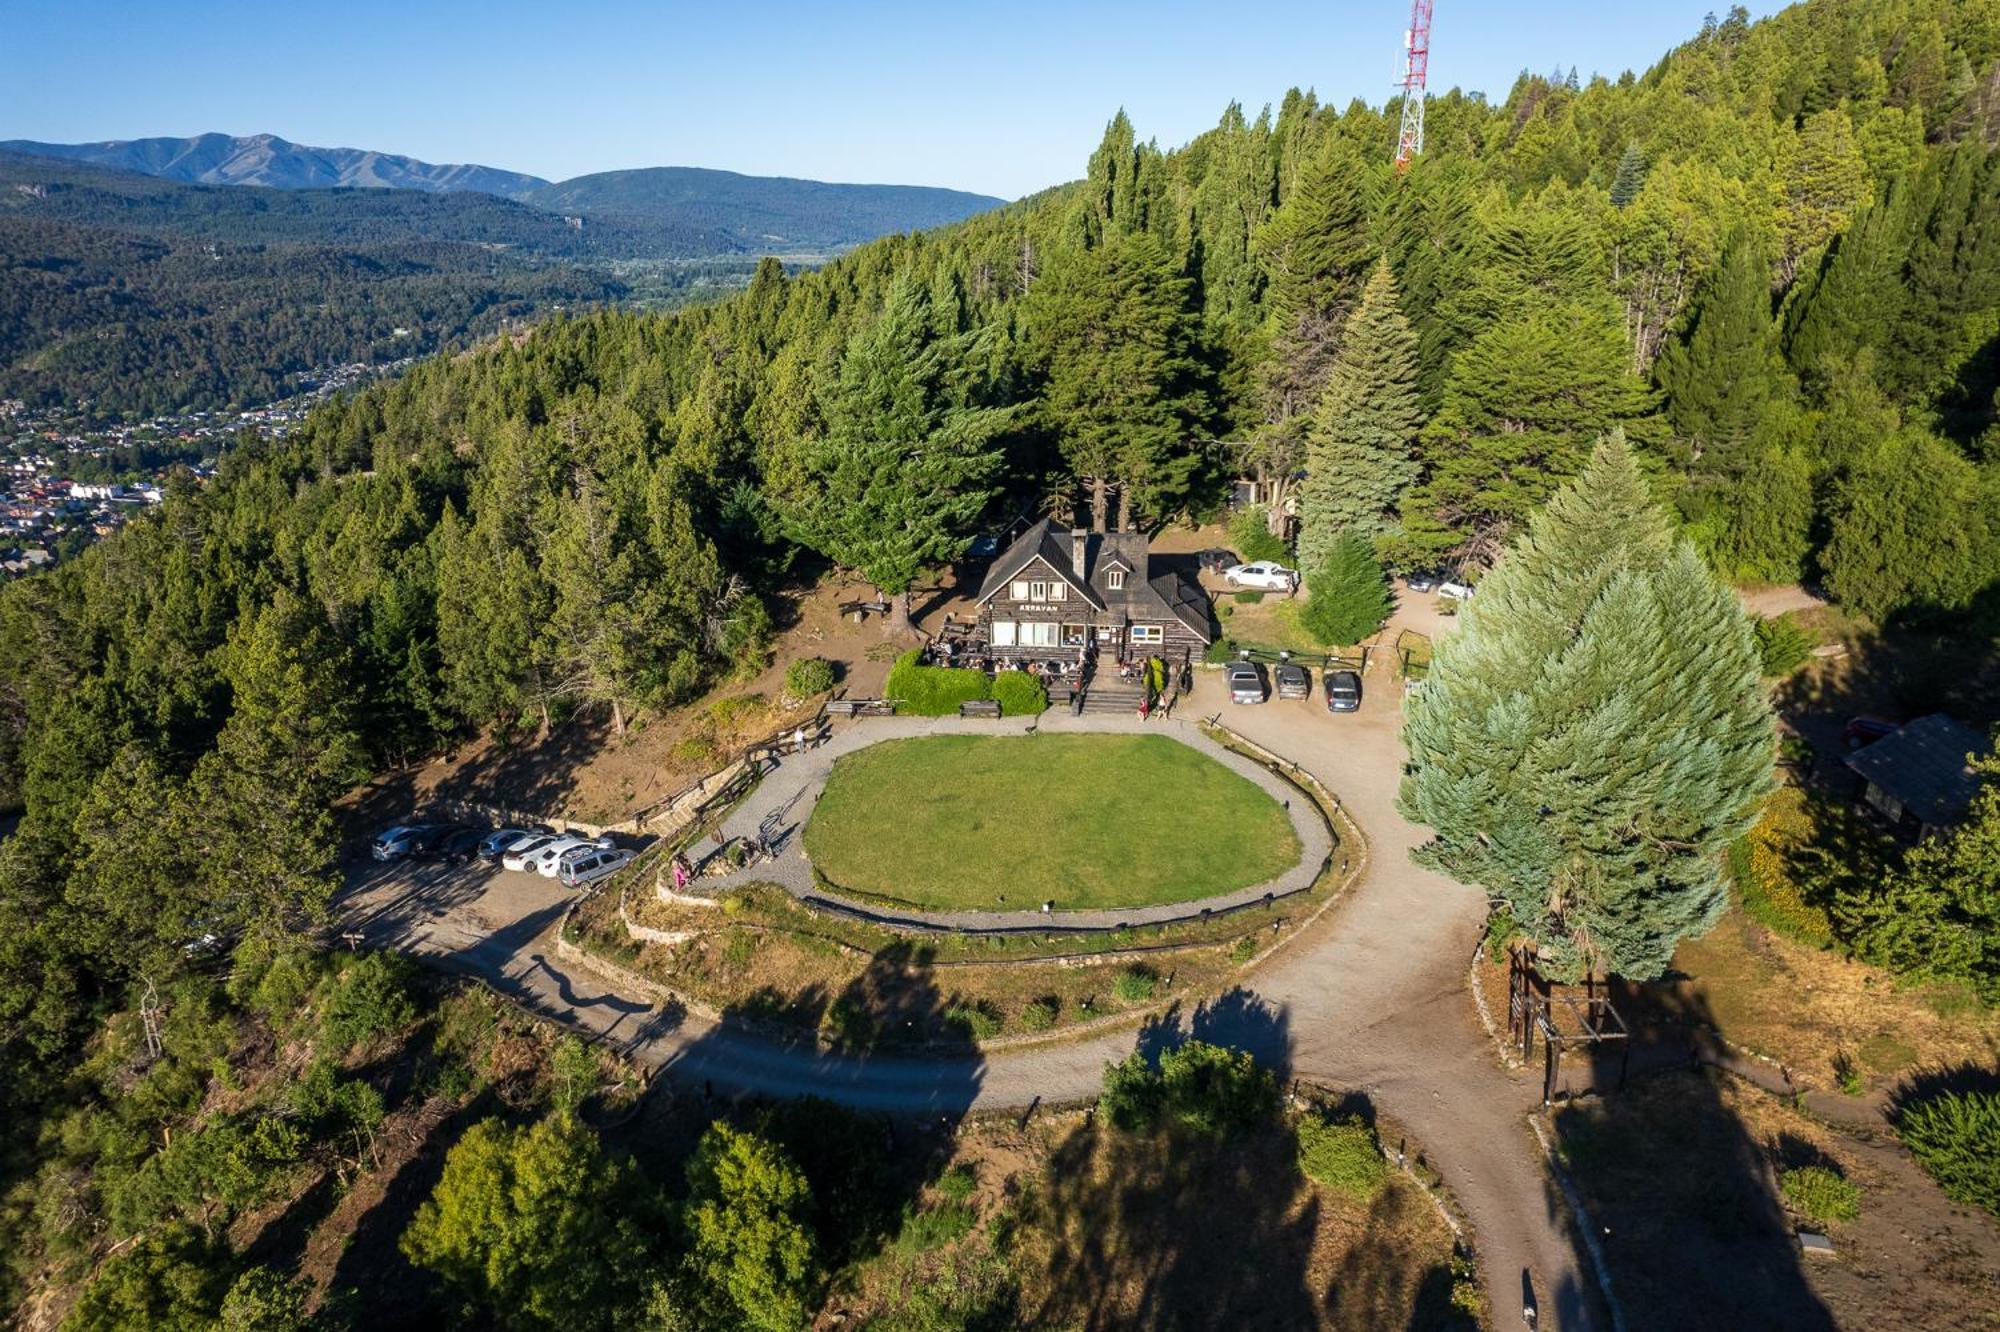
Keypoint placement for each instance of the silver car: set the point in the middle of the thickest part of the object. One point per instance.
(580, 868)
(1246, 683)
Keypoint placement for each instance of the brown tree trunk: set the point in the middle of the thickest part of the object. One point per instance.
(1124, 509)
(1097, 504)
(899, 611)
(617, 718)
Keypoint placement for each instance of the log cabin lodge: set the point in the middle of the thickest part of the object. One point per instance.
(1057, 593)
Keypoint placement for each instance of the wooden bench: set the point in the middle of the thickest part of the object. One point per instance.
(860, 707)
(979, 707)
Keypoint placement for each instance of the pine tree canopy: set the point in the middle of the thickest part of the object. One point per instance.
(1594, 735)
(1347, 594)
(1361, 437)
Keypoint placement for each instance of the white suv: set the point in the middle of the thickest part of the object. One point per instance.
(546, 861)
(586, 866)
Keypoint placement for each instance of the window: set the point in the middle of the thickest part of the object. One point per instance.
(1147, 633)
(1040, 591)
(1075, 635)
(1115, 580)
(1003, 633)
(1020, 589)
(1037, 635)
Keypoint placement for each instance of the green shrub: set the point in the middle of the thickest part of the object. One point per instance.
(1349, 596)
(1040, 1014)
(1215, 1091)
(1133, 1094)
(1248, 596)
(1244, 950)
(1501, 928)
(972, 1022)
(1222, 650)
(1955, 1136)
(1135, 985)
(1020, 694)
(369, 997)
(934, 1227)
(1820, 1194)
(1250, 534)
(1782, 646)
(808, 676)
(1342, 1155)
(933, 691)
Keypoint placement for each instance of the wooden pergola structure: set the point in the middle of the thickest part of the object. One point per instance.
(1561, 1017)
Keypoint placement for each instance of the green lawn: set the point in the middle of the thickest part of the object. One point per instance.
(965, 822)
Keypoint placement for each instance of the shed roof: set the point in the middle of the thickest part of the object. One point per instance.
(1927, 766)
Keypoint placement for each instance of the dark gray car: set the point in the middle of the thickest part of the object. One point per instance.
(1293, 681)
(1343, 691)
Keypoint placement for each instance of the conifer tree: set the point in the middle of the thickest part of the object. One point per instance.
(1112, 331)
(1631, 176)
(1362, 434)
(1520, 408)
(1348, 594)
(1595, 734)
(905, 467)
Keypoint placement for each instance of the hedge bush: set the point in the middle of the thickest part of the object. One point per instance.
(1955, 1136)
(934, 691)
(1782, 646)
(1343, 1155)
(1249, 596)
(808, 676)
(1134, 985)
(1020, 694)
(1820, 1194)
(1203, 1088)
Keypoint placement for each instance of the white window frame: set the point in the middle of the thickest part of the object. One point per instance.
(1040, 591)
(1115, 580)
(1039, 634)
(1149, 633)
(1020, 589)
(1003, 633)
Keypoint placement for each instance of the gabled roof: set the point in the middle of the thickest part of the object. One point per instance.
(1925, 767)
(1038, 541)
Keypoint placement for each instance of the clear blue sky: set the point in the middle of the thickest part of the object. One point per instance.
(999, 98)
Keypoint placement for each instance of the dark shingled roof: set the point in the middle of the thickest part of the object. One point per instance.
(1144, 596)
(1925, 767)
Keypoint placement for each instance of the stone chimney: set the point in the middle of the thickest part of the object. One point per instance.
(1079, 550)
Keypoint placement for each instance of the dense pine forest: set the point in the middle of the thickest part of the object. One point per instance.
(1772, 262)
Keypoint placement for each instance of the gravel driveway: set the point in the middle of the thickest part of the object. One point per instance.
(1373, 998)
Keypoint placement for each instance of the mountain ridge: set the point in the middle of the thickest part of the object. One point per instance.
(267, 159)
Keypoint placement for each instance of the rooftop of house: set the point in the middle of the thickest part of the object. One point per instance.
(1112, 571)
(1927, 766)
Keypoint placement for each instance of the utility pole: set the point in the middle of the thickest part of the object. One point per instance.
(1416, 68)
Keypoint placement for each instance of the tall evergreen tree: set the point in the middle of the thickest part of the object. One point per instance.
(1113, 332)
(1522, 405)
(1361, 438)
(1595, 734)
(906, 466)
(1630, 177)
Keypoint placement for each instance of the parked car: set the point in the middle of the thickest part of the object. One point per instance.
(1343, 691)
(1216, 560)
(549, 859)
(501, 840)
(1246, 682)
(455, 844)
(587, 866)
(1453, 588)
(405, 839)
(521, 855)
(1264, 575)
(1293, 681)
(1421, 580)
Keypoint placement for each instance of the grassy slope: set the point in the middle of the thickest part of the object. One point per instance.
(1003, 822)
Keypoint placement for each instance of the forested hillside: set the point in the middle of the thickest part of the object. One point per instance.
(1771, 261)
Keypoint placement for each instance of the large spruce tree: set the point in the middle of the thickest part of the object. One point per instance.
(906, 465)
(1361, 438)
(1595, 734)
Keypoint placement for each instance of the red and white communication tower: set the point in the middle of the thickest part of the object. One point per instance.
(1416, 66)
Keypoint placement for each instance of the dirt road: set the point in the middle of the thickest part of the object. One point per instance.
(1373, 999)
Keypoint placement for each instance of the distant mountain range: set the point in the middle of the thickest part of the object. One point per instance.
(756, 212)
(152, 274)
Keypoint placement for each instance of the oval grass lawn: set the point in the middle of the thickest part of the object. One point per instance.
(985, 823)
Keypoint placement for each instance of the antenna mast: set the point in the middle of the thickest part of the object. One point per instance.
(1416, 66)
